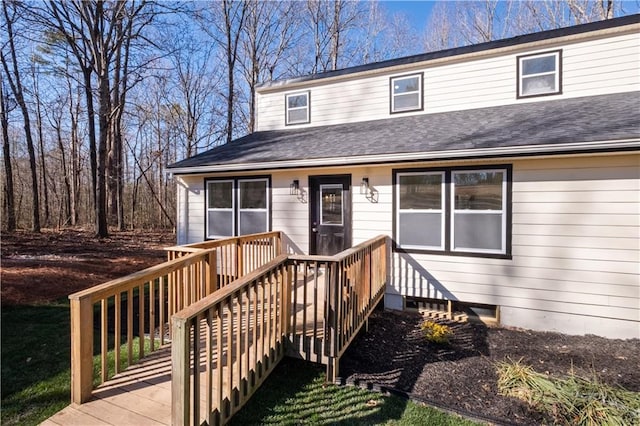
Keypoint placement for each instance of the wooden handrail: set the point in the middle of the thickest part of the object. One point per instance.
(249, 319)
(160, 290)
(191, 273)
(244, 327)
(202, 245)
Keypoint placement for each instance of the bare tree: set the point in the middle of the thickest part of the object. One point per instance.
(269, 32)
(6, 151)
(15, 82)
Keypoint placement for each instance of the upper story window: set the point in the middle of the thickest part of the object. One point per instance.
(406, 93)
(297, 108)
(540, 74)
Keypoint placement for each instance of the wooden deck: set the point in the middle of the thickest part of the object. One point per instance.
(141, 395)
(236, 309)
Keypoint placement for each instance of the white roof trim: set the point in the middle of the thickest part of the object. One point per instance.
(413, 156)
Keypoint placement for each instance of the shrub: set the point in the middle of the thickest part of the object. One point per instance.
(436, 333)
(572, 401)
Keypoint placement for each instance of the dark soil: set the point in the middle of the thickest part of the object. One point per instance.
(461, 376)
(44, 267)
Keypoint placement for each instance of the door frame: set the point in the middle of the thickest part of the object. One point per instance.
(314, 189)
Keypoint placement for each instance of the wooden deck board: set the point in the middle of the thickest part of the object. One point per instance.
(141, 395)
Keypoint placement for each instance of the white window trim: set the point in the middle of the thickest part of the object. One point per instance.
(393, 95)
(266, 194)
(503, 212)
(556, 73)
(287, 109)
(232, 209)
(442, 210)
(332, 186)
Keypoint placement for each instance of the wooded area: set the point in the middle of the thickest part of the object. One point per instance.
(96, 97)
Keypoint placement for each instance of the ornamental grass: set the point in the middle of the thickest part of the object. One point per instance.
(572, 400)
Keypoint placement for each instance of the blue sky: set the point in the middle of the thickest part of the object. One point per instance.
(417, 11)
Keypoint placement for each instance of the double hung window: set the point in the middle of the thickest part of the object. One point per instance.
(237, 207)
(297, 108)
(539, 74)
(406, 93)
(453, 210)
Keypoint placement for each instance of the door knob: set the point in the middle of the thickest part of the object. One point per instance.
(314, 229)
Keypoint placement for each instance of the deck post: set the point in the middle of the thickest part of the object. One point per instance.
(81, 349)
(180, 379)
(212, 272)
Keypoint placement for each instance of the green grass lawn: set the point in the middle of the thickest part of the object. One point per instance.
(36, 361)
(296, 393)
(36, 382)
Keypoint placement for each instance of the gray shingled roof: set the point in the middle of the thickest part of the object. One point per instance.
(578, 120)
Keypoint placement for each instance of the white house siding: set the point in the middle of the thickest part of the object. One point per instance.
(575, 264)
(190, 214)
(589, 69)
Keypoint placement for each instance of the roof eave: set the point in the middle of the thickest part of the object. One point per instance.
(515, 151)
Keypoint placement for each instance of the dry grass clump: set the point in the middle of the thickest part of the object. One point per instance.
(572, 401)
(436, 333)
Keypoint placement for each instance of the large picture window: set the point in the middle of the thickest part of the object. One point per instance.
(453, 210)
(540, 74)
(237, 207)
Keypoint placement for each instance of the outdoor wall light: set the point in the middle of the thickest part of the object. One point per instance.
(368, 191)
(364, 186)
(294, 187)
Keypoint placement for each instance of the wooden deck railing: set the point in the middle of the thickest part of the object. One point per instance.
(355, 282)
(236, 256)
(231, 341)
(139, 304)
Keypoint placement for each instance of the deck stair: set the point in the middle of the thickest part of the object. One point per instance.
(214, 320)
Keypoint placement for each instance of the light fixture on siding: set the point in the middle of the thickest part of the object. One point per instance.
(368, 191)
(364, 186)
(294, 187)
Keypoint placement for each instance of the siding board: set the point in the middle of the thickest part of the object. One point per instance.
(603, 65)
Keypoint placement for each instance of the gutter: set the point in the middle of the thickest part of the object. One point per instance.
(527, 150)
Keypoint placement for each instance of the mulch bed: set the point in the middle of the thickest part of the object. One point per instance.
(461, 376)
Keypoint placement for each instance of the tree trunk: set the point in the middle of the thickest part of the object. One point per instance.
(43, 168)
(8, 171)
(16, 87)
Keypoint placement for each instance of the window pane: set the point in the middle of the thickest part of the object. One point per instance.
(252, 222)
(539, 65)
(421, 192)
(253, 194)
(297, 116)
(539, 84)
(477, 231)
(478, 191)
(220, 223)
(420, 229)
(331, 205)
(410, 101)
(404, 85)
(220, 195)
(297, 101)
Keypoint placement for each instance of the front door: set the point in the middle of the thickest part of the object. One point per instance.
(330, 221)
